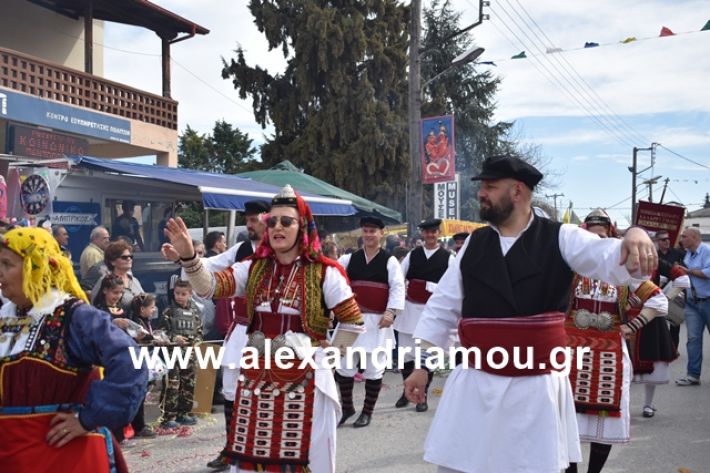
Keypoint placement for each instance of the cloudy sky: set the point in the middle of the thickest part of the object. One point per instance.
(586, 108)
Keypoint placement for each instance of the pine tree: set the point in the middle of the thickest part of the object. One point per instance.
(339, 110)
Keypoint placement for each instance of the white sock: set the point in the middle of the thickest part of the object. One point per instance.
(650, 392)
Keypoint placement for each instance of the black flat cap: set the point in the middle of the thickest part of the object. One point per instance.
(256, 206)
(460, 236)
(432, 223)
(506, 166)
(372, 221)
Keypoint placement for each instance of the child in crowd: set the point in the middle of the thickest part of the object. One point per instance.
(143, 306)
(182, 322)
(108, 299)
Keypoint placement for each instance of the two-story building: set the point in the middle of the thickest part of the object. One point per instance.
(54, 98)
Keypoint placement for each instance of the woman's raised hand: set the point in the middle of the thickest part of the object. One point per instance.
(179, 237)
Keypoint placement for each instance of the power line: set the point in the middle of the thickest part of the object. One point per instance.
(579, 79)
(589, 106)
(211, 86)
(558, 84)
(684, 158)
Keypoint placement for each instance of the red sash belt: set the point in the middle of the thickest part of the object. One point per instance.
(240, 315)
(240, 311)
(275, 324)
(416, 291)
(25, 448)
(542, 332)
(371, 296)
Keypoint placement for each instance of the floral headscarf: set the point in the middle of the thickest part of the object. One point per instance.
(44, 265)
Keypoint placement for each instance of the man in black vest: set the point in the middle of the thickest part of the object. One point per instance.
(459, 239)
(508, 288)
(422, 267)
(377, 281)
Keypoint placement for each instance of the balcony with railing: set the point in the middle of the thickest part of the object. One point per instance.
(34, 76)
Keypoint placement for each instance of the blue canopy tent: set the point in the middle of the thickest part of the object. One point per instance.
(219, 191)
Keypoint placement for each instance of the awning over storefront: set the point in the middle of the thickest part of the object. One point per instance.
(219, 191)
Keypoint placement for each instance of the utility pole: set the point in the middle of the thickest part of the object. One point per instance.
(414, 185)
(634, 173)
(650, 183)
(554, 198)
(414, 196)
(665, 186)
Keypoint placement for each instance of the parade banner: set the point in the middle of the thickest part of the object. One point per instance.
(438, 150)
(655, 217)
(446, 199)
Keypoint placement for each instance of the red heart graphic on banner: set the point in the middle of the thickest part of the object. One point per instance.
(439, 168)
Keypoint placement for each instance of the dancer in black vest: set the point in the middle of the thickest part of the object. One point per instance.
(509, 287)
(377, 281)
(459, 239)
(422, 267)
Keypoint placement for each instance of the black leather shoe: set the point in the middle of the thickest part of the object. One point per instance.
(218, 463)
(346, 415)
(422, 407)
(362, 421)
(401, 402)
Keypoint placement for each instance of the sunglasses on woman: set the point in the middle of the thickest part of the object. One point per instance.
(126, 257)
(286, 221)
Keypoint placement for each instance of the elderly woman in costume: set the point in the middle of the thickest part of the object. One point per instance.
(600, 316)
(54, 415)
(284, 419)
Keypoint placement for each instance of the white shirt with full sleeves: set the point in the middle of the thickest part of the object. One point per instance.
(406, 322)
(526, 424)
(374, 336)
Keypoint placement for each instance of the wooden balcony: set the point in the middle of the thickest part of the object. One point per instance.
(40, 78)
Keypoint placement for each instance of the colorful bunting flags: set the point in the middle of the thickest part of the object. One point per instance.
(666, 32)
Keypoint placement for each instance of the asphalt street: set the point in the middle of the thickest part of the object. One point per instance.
(676, 440)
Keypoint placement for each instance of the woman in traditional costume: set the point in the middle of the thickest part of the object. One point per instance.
(284, 419)
(652, 348)
(54, 414)
(599, 319)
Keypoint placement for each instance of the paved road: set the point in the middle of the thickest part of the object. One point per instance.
(677, 437)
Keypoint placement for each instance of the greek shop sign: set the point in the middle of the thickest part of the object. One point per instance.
(41, 112)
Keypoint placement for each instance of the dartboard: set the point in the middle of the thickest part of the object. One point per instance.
(34, 194)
